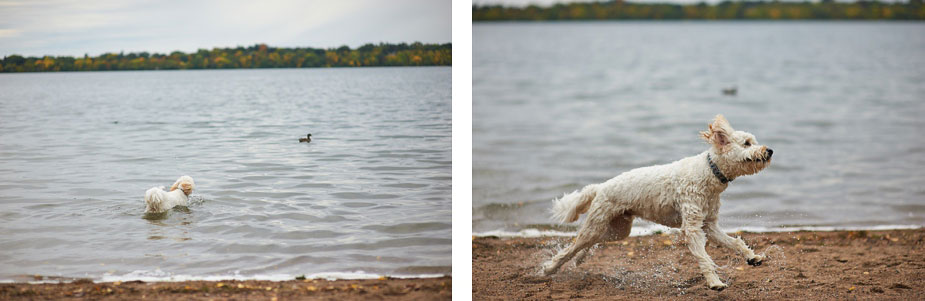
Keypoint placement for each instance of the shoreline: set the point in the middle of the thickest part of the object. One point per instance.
(814, 265)
(655, 229)
(384, 288)
(329, 276)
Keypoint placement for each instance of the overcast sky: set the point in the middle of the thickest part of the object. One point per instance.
(75, 27)
(520, 3)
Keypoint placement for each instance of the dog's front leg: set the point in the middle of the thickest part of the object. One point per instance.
(692, 226)
(734, 243)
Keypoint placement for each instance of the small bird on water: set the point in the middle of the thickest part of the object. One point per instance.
(307, 138)
(730, 91)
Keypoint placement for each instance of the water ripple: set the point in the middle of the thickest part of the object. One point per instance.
(263, 203)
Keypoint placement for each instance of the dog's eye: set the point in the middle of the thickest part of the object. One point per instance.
(747, 144)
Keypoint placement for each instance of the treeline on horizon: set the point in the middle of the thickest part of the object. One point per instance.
(726, 10)
(257, 56)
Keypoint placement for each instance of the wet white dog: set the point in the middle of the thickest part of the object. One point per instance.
(159, 200)
(684, 194)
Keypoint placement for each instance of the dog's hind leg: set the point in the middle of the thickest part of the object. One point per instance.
(620, 227)
(582, 242)
(737, 244)
(592, 231)
(581, 256)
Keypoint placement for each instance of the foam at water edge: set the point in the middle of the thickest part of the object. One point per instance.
(636, 231)
(826, 228)
(160, 276)
(649, 230)
(157, 276)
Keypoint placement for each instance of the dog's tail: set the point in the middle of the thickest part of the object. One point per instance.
(571, 205)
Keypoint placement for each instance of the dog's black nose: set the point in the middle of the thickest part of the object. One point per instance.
(770, 152)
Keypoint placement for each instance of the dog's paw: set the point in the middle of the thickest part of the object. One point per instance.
(755, 261)
(718, 286)
(713, 282)
(549, 268)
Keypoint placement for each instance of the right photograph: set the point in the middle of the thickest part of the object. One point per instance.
(735, 150)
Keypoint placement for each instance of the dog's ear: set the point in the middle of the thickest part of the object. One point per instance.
(721, 122)
(718, 133)
(175, 184)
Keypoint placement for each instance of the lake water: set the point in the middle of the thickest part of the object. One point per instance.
(558, 105)
(370, 195)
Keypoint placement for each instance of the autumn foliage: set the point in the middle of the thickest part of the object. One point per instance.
(256, 56)
(725, 10)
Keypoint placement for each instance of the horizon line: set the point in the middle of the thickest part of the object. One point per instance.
(123, 51)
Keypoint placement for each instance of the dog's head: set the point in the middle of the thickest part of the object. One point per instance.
(737, 153)
(184, 183)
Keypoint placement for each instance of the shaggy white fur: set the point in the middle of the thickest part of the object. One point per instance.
(159, 200)
(682, 194)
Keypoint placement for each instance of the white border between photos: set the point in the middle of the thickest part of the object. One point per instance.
(462, 149)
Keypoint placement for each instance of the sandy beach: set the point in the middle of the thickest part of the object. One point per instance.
(377, 289)
(840, 265)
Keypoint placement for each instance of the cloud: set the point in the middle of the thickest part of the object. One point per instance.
(68, 27)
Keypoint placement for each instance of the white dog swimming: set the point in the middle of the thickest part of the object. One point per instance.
(158, 200)
(682, 194)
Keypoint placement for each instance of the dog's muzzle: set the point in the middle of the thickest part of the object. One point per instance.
(767, 157)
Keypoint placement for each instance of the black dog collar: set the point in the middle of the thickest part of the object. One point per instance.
(719, 174)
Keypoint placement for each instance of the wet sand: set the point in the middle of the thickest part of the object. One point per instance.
(381, 289)
(843, 265)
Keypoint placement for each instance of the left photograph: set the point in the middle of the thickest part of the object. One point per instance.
(234, 149)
